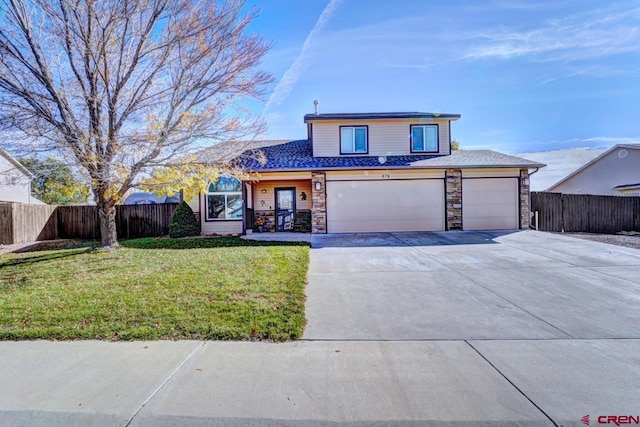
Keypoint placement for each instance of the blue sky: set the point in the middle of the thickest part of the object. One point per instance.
(526, 76)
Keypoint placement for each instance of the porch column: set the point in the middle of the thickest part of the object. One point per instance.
(319, 203)
(453, 190)
(525, 215)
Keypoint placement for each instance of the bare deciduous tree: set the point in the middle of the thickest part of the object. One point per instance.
(120, 87)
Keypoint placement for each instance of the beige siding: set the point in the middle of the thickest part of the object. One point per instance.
(266, 201)
(282, 176)
(194, 204)
(379, 206)
(490, 173)
(386, 137)
(386, 174)
(221, 227)
(490, 203)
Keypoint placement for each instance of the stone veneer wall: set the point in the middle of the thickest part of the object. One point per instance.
(525, 216)
(453, 190)
(319, 205)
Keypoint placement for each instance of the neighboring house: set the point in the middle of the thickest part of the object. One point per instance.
(15, 181)
(615, 172)
(371, 173)
(142, 198)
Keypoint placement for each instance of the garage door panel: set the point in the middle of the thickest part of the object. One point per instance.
(370, 206)
(490, 203)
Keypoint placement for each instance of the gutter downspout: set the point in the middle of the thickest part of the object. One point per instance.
(536, 212)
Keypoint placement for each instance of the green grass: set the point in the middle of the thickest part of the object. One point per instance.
(200, 288)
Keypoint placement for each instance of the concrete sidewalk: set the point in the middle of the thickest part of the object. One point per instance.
(413, 383)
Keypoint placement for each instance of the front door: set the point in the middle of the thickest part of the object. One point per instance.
(285, 208)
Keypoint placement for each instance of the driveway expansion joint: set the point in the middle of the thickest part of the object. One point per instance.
(512, 383)
(515, 305)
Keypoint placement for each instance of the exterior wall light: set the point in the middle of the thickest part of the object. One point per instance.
(318, 186)
(264, 191)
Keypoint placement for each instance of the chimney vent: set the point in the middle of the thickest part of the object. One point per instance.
(315, 104)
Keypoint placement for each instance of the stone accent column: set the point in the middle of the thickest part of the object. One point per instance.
(453, 190)
(318, 203)
(525, 215)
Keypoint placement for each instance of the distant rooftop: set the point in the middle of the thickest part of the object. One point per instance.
(369, 116)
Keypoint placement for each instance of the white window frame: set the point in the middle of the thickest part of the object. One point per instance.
(226, 195)
(424, 137)
(353, 139)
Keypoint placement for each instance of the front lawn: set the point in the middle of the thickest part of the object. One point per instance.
(200, 288)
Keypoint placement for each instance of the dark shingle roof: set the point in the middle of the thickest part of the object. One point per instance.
(370, 116)
(297, 155)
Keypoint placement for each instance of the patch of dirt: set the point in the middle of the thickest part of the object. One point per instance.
(631, 240)
(45, 246)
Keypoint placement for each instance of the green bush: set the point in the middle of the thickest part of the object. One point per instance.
(183, 222)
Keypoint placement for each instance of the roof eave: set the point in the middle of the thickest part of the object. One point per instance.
(308, 118)
(383, 167)
(16, 163)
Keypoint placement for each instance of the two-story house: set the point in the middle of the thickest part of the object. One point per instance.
(371, 173)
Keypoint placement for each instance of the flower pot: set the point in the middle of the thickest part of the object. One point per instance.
(260, 228)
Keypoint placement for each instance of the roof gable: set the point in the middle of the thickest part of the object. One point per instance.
(16, 163)
(591, 163)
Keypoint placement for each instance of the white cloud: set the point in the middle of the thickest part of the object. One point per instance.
(597, 34)
(292, 75)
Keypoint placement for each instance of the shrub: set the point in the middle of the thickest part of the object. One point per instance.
(183, 222)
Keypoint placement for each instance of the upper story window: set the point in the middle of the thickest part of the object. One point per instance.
(353, 140)
(224, 199)
(424, 138)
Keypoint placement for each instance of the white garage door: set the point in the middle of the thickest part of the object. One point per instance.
(490, 203)
(370, 206)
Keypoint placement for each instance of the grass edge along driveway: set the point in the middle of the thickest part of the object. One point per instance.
(156, 288)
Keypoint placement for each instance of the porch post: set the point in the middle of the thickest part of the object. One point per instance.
(245, 207)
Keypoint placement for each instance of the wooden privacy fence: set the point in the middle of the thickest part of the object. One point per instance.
(28, 223)
(585, 213)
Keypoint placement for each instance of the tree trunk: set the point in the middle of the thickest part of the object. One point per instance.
(108, 232)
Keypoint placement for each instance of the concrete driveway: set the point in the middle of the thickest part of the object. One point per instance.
(557, 318)
(421, 329)
(471, 285)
